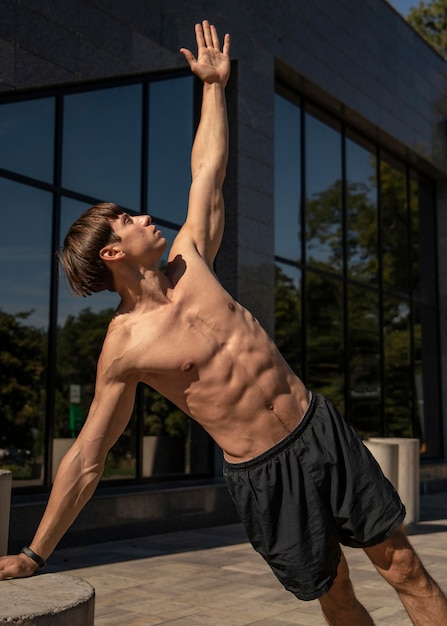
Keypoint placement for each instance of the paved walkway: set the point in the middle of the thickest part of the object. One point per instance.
(212, 577)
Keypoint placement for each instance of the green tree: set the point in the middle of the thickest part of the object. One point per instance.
(22, 381)
(429, 19)
(288, 319)
(79, 345)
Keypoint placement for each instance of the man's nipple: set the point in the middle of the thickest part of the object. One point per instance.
(187, 366)
(231, 306)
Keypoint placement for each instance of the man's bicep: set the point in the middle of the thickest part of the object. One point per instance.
(108, 416)
(204, 223)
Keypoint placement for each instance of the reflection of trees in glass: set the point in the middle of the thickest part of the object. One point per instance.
(324, 230)
(361, 233)
(364, 360)
(288, 319)
(395, 268)
(161, 417)
(79, 345)
(397, 369)
(78, 348)
(22, 386)
(324, 337)
(324, 226)
(325, 317)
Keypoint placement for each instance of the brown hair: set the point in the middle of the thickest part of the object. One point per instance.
(84, 268)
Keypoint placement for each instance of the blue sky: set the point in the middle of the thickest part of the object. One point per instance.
(403, 6)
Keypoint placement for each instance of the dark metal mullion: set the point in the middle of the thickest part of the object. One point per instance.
(411, 300)
(383, 423)
(303, 242)
(144, 188)
(54, 290)
(344, 210)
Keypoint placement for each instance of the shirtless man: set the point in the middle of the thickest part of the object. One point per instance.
(302, 481)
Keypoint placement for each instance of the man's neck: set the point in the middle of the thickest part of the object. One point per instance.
(148, 289)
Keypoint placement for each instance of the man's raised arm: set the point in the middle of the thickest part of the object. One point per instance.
(205, 219)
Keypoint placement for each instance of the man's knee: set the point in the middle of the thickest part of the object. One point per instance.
(403, 569)
(406, 569)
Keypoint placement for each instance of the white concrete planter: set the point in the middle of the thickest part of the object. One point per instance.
(60, 448)
(398, 458)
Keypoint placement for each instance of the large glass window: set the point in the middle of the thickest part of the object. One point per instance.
(323, 180)
(359, 321)
(27, 138)
(125, 143)
(170, 138)
(25, 252)
(287, 179)
(102, 134)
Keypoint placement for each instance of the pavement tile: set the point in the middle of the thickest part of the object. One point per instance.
(213, 577)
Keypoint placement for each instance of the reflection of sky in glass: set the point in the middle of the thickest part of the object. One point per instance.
(102, 144)
(287, 179)
(170, 139)
(291, 272)
(27, 137)
(25, 251)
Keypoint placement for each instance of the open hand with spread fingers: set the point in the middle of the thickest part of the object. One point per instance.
(212, 64)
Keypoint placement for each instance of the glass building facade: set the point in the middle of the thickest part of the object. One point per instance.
(356, 246)
(62, 151)
(354, 230)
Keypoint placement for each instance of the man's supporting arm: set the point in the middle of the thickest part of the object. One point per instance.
(78, 474)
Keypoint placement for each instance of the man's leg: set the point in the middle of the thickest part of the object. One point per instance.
(401, 567)
(339, 604)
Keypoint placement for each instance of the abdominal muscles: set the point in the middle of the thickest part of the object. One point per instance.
(233, 381)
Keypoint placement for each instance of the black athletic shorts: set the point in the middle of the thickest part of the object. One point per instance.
(315, 489)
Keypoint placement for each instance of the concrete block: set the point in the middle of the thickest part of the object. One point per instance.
(387, 456)
(47, 600)
(406, 482)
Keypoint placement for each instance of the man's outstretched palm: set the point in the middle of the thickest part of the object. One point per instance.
(211, 65)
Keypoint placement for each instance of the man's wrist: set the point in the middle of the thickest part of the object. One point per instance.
(32, 555)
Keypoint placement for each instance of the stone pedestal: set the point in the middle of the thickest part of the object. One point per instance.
(398, 458)
(5, 507)
(47, 600)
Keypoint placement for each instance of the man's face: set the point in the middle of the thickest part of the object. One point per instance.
(140, 239)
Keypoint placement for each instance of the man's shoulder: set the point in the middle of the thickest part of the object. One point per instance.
(116, 340)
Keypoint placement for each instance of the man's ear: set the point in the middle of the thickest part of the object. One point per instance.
(111, 252)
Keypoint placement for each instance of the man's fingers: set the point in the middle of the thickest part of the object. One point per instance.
(215, 38)
(199, 36)
(226, 46)
(15, 566)
(207, 33)
(188, 56)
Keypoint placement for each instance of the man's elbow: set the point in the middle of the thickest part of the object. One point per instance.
(213, 172)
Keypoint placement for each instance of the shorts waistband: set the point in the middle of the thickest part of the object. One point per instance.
(281, 445)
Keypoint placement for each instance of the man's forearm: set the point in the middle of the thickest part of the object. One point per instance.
(72, 488)
(210, 148)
